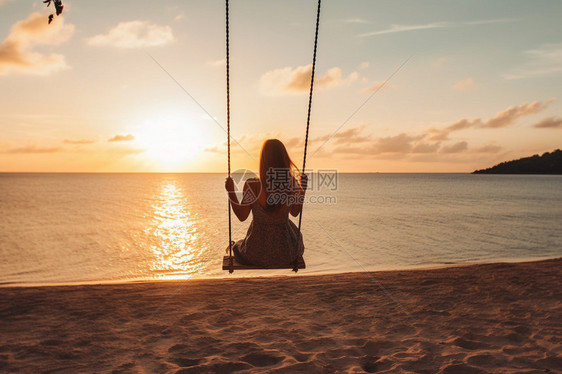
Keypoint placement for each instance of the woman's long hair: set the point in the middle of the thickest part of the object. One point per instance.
(277, 173)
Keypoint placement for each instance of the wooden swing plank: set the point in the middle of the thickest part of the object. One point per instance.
(238, 266)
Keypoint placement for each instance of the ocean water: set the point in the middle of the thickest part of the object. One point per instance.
(95, 228)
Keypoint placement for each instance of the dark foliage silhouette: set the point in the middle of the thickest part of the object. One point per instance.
(548, 163)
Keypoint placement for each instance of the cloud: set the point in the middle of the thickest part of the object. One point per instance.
(33, 149)
(401, 143)
(16, 51)
(508, 116)
(488, 21)
(439, 62)
(294, 142)
(549, 123)
(490, 148)
(351, 135)
(220, 63)
(455, 148)
(353, 143)
(297, 79)
(404, 28)
(246, 143)
(464, 85)
(544, 60)
(134, 34)
(424, 147)
(121, 138)
(433, 25)
(253, 143)
(432, 143)
(503, 118)
(375, 86)
(364, 65)
(443, 134)
(79, 141)
(124, 151)
(355, 20)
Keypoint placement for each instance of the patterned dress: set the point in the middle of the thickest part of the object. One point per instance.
(272, 239)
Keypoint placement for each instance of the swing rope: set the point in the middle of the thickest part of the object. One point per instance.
(297, 257)
(231, 260)
(296, 264)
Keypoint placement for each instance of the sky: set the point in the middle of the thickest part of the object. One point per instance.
(401, 86)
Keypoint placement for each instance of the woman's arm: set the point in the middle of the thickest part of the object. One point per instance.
(242, 210)
(296, 208)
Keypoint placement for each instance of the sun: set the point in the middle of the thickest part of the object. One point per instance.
(172, 140)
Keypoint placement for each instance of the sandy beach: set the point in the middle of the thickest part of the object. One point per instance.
(496, 318)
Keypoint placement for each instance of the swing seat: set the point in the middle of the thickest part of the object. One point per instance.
(238, 266)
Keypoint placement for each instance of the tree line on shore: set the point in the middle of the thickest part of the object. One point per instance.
(548, 163)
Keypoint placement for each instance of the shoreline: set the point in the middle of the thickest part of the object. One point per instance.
(430, 266)
(485, 318)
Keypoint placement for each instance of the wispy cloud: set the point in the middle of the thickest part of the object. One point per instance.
(356, 20)
(364, 65)
(428, 145)
(436, 140)
(508, 116)
(404, 28)
(250, 143)
(134, 34)
(17, 52)
(295, 80)
(425, 147)
(489, 148)
(404, 145)
(488, 21)
(544, 60)
(354, 142)
(220, 63)
(124, 151)
(432, 25)
(78, 141)
(455, 148)
(121, 138)
(549, 123)
(375, 86)
(439, 62)
(30, 149)
(503, 118)
(464, 85)
(395, 146)
(401, 143)
(351, 135)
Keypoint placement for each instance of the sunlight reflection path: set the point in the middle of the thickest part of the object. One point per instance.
(174, 235)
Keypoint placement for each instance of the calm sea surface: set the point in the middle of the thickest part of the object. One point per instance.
(68, 228)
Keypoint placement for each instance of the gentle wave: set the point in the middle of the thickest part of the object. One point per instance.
(84, 228)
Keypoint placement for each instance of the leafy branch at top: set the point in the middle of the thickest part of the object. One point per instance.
(58, 8)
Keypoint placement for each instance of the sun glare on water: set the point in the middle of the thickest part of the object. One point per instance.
(174, 235)
(172, 141)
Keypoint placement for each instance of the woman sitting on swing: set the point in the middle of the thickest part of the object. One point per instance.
(272, 239)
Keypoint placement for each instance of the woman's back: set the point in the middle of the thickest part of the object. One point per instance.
(272, 238)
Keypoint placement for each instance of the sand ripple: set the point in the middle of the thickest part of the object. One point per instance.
(493, 318)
